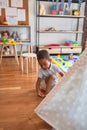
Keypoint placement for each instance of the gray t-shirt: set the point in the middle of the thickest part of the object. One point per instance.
(53, 70)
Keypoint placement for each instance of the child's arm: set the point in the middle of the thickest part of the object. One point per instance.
(61, 74)
(39, 93)
(59, 70)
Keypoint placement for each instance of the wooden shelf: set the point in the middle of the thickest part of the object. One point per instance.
(14, 26)
(26, 40)
(61, 16)
(61, 31)
(73, 1)
(18, 43)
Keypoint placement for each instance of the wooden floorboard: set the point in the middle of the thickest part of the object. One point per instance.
(18, 99)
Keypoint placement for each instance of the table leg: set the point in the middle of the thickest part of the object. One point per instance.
(15, 53)
(2, 46)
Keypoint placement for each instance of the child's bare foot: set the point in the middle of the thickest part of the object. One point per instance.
(40, 94)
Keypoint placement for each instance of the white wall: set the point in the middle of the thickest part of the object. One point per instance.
(32, 19)
(66, 24)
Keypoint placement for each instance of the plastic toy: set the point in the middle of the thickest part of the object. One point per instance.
(5, 34)
(68, 43)
(71, 43)
(54, 9)
(76, 12)
(4, 40)
(67, 10)
(76, 43)
(65, 62)
(69, 3)
(11, 41)
(15, 36)
(64, 65)
(57, 6)
(5, 22)
(61, 8)
(42, 9)
(51, 29)
(52, 45)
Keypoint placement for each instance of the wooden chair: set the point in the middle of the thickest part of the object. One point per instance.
(25, 59)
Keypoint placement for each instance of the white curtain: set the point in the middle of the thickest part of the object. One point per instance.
(65, 107)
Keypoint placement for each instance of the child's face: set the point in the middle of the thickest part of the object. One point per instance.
(45, 63)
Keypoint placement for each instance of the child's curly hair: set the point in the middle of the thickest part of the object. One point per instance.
(43, 54)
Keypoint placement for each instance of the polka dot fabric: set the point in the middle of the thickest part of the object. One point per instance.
(65, 107)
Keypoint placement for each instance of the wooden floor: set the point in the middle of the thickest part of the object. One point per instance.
(18, 99)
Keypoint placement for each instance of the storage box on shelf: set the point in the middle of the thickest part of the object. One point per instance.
(62, 49)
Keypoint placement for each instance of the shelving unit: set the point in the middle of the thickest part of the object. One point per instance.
(24, 32)
(59, 49)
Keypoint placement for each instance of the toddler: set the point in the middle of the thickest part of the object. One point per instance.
(47, 76)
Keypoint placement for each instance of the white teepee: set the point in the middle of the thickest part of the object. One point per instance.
(65, 107)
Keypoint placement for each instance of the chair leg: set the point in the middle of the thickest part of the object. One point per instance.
(26, 65)
(32, 61)
(15, 53)
(36, 64)
(1, 53)
(21, 62)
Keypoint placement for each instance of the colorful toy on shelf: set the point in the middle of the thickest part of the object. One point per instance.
(51, 29)
(11, 41)
(55, 7)
(42, 9)
(68, 43)
(76, 12)
(61, 8)
(71, 43)
(4, 40)
(5, 22)
(15, 36)
(52, 45)
(4, 36)
(69, 3)
(67, 10)
(76, 43)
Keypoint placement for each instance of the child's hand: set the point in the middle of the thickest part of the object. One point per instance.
(40, 94)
